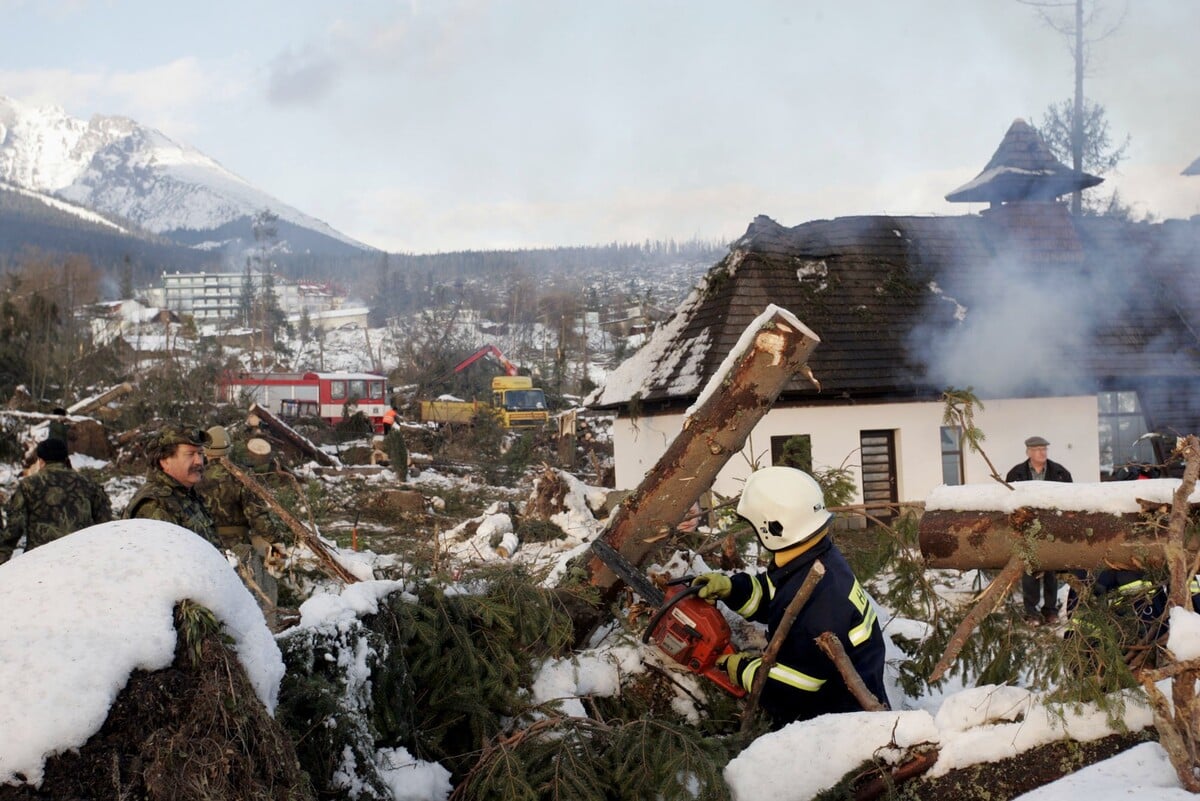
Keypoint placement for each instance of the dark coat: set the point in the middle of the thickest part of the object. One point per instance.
(236, 511)
(51, 503)
(1054, 472)
(839, 605)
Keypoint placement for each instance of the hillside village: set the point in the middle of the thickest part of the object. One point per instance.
(461, 647)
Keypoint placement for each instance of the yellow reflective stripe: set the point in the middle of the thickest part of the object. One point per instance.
(794, 678)
(862, 632)
(751, 606)
(1194, 585)
(781, 673)
(1134, 587)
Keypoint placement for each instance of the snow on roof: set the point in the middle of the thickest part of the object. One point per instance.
(654, 362)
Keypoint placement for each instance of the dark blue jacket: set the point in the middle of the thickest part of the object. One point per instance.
(1054, 472)
(804, 682)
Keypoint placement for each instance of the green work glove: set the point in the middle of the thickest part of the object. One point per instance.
(713, 586)
(740, 667)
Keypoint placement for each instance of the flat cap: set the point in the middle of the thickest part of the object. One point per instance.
(183, 435)
(1036, 442)
(52, 449)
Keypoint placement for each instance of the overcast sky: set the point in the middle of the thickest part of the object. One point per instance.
(469, 124)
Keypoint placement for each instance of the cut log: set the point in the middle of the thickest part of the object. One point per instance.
(89, 405)
(258, 451)
(1119, 524)
(289, 434)
(776, 345)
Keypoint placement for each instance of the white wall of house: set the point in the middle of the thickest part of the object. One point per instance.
(1069, 423)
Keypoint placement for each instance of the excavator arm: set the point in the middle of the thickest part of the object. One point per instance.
(509, 367)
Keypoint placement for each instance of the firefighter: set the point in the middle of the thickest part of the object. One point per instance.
(786, 507)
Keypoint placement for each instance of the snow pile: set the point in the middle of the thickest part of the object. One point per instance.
(981, 724)
(83, 612)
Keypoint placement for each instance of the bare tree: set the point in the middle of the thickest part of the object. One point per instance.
(1071, 19)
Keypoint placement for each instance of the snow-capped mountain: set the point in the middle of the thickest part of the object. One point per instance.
(117, 166)
(74, 209)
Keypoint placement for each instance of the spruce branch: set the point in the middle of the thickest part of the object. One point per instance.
(991, 598)
(960, 405)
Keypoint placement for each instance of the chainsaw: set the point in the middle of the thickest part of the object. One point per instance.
(685, 627)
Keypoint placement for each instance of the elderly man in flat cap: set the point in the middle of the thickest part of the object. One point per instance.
(176, 457)
(1039, 468)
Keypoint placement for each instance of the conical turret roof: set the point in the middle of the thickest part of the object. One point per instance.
(1022, 168)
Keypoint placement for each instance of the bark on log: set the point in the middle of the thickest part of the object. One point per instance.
(831, 646)
(1048, 539)
(717, 429)
(286, 432)
(101, 400)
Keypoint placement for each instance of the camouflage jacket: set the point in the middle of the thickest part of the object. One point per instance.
(164, 498)
(233, 506)
(49, 504)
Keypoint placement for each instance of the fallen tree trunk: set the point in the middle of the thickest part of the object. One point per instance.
(289, 434)
(779, 346)
(1121, 524)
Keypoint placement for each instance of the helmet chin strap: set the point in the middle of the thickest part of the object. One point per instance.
(788, 554)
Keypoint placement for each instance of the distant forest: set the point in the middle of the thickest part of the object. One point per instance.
(393, 283)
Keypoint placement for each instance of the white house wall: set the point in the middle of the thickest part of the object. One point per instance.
(1069, 423)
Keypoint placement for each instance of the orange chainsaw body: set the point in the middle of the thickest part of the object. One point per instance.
(694, 633)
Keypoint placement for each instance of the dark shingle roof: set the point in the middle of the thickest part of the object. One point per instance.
(878, 290)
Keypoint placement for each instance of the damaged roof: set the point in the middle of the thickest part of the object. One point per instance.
(1022, 168)
(1020, 301)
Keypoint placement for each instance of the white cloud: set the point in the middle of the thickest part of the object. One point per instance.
(171, 96)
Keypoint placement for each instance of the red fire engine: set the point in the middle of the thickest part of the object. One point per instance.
(324, 395)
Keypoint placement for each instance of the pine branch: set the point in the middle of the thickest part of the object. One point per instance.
(992, 597)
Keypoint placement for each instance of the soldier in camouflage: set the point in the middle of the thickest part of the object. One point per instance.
(244, 524)
(176, 465)
(52, 502)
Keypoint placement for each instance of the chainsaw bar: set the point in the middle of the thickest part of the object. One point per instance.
(638, 581)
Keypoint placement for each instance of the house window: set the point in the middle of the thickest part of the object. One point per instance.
(794, 450)
(1121, 422)
(952, 461)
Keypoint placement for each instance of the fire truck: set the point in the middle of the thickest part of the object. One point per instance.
(323, 395)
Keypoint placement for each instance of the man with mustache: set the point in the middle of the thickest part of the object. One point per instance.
(176, 459)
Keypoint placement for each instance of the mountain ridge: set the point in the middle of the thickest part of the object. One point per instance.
(117, 166)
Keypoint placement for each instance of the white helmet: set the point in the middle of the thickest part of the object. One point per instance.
(786, 507)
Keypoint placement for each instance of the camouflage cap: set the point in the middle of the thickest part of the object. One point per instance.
(182, 435)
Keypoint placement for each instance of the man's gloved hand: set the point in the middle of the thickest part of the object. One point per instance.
(740, 667)
(713, 586)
